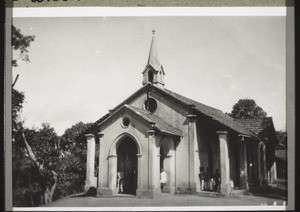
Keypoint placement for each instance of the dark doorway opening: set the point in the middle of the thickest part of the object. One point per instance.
(127, 163)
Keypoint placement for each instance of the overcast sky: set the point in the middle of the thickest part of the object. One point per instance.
(82, 67)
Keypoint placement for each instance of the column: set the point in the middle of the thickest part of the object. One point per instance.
(112, 172)
(140, 171)
(91, 180)
(273, 171)
(243, 163)
(224, 163)
(101, 161)
(171, 158)
(259, 165)
(194, 161)
(264, 165)
(153, 162)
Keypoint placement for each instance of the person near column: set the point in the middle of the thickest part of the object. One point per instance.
(163, 179)
(207, 179)
(120, 177)
(201, 178)
(217, 179)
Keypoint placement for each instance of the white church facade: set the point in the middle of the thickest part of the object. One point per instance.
(156, 128)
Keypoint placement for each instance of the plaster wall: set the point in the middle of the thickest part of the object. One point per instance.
(115, 130)
(175, 115)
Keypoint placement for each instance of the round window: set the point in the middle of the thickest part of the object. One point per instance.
(125, 122)
(150, 105)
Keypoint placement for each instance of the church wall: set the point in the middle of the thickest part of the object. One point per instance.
(111, 133)
(176, 116)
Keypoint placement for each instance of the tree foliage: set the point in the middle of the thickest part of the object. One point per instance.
(247, 108)
(72, 167)
(20, 43)
(45, 166)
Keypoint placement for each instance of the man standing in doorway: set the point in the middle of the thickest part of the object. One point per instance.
(120, 176)
(163, 179)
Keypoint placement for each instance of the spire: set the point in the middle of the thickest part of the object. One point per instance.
(153, 55)
(153, 72)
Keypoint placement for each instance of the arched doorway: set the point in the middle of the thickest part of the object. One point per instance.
(127, 163)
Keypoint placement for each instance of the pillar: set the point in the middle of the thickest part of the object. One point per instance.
(243, 164)
(101, 161)
(171, 158)
(139, 171)
(259, 178)
(273, 172)
(112, 173)
(224, 163)
(264, 165)
(91, 180)
(154, 162)
(194, 162)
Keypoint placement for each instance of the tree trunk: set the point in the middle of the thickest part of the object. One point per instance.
(49, 190)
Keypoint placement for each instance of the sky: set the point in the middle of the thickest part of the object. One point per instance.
(80, 67)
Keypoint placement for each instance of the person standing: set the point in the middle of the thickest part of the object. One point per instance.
(120, 176)
(217, 179)
(201, 177)
(207, 179)
(163, 179)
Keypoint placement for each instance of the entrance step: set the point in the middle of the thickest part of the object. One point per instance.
(125, 195)
(238, 192)
(209, 194)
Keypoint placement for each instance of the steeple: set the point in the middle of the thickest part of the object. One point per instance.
(153, 72)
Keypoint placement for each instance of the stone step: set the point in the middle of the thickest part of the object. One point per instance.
(209, 194)
(238, 192)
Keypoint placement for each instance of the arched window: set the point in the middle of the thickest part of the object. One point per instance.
(150, 76)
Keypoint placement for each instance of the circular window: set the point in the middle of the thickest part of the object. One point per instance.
(150, 105)
(125, 122)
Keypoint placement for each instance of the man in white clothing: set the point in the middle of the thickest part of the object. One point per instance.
(163, 179)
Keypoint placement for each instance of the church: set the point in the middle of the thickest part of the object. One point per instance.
(156, 129)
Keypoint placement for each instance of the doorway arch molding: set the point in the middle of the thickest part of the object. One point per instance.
(114, 146)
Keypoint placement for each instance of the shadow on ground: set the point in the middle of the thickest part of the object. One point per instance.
(92, 192)
(270, 191)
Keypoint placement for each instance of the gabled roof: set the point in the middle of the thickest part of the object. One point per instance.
(153, 60)
(256, 125)
(262, 127)
(153, 121)
(214, 114)
(159, 124)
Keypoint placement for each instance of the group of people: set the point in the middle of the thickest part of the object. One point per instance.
(209, 182)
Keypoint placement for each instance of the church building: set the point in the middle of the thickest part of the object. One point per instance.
(156, 129)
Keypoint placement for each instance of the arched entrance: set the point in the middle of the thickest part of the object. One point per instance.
(127, 163)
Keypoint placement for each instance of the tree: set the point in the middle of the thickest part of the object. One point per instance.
(20, 44)
(71, 168)
(247, 108)
(35, 157)
(34, 179)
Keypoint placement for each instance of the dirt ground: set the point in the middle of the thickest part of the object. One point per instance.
(165, 200)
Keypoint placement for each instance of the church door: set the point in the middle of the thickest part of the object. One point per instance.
(127, 163)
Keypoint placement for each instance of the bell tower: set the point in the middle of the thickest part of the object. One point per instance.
(153, 72)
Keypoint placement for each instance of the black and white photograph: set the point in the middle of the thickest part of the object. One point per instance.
(150, 108)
